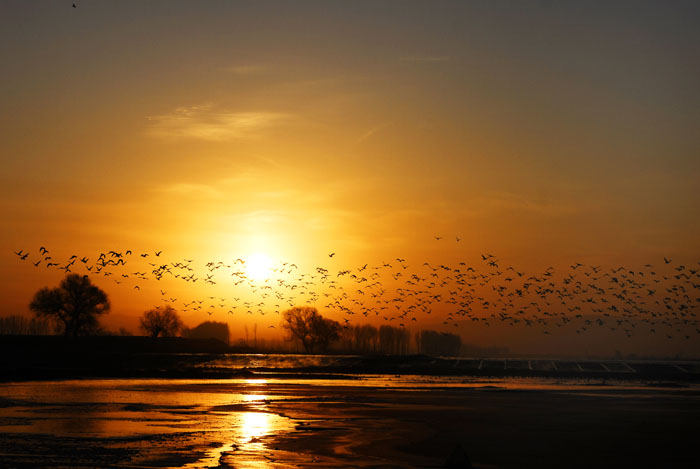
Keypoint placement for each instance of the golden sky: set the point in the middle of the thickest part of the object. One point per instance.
(546, 133)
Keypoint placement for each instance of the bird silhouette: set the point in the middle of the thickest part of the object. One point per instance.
(620, 299)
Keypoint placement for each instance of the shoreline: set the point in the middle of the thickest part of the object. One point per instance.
(287, 424)
(25, 358)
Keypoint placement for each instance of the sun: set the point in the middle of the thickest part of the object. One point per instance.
(258, 266)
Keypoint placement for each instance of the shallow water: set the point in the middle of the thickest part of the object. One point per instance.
(236, 361)
(211, 423)
(125, 410)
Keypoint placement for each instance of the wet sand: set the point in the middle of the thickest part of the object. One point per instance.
(327, 423)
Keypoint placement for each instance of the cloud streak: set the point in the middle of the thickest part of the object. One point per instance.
(371, 132)
(190, 189)
(204, 122)
(245, 69)
(425, 59)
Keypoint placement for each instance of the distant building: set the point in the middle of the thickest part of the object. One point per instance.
(209, 330)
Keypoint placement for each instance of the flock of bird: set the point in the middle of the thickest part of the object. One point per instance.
(661, 299)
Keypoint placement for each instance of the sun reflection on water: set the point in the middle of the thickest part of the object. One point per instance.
(255, 381)
(244, 432)
(253, 426)
(250, 428)
(253, 398)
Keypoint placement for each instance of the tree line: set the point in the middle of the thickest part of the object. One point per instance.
(73, 309)
(20, 325)
(318, 334)
(390, 340)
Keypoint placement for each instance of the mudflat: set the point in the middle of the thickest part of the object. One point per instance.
(366, 421)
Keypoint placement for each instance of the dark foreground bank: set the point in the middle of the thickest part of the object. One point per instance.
(50, 357)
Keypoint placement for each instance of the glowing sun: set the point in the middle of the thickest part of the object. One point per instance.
(258, 266)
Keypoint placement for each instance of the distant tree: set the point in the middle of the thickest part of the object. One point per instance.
(439, 343)
(366, 338)
(347, 335)
(393, 340)
(75, 304)
(159, 322)
(20, 325)
(209, 330)
(313, 330)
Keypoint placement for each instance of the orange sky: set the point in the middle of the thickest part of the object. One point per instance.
(547, 134)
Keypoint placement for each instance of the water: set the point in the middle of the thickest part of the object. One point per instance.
(230, 414)
(271, 422)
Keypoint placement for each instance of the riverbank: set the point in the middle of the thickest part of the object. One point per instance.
(387, 423)
(25, 358)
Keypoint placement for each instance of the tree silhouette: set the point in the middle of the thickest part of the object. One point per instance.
(161, 322)
(209, 330)
(76, 304)
(19, 325)
(313, 330)
(439, 343)
(366, 337)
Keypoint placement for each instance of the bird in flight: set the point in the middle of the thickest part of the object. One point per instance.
(331, 254)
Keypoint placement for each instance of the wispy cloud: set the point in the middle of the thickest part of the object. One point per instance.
(245, 69)
(190, 189)
(523, 203)
(373, 130)
(426, 58)
(204, 122)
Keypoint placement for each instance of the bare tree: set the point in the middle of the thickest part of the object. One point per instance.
(75, 304)
(393, 340)
(347, 336)
(313, 330)
(163, 322)
(439, 343)
(366, 338)
(19, 325)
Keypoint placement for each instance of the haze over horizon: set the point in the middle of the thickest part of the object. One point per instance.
(544, 133)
